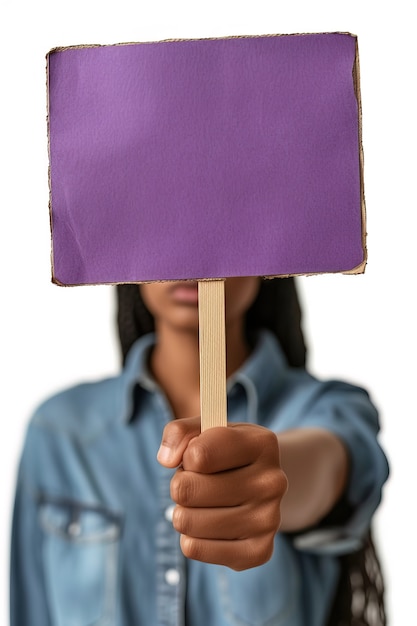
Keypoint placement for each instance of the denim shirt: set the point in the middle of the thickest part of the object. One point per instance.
(93, 542)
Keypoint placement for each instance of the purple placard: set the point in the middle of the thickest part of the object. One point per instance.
(205, 159)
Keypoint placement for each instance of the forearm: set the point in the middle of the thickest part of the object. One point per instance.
(316, 463)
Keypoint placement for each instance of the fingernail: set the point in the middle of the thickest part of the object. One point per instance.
(164, 454)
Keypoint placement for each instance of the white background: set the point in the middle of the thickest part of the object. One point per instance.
(360, 328)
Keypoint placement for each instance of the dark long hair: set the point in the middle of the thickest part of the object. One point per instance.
(359, 600)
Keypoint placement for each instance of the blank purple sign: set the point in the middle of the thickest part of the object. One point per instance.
(205, 159)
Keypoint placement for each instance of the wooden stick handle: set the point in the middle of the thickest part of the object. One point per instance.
(212, 338)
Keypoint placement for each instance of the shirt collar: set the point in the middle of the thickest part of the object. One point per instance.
(136, 373)
(260, 373)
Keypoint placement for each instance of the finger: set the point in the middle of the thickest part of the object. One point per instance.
(175, 438)
(238, 445)
(228, 523)
(238, 555)
(230, 488)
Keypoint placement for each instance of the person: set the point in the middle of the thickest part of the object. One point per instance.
(126, 514)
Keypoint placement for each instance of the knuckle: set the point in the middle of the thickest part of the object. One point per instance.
(270, 484)
(268, 440)
(260, 551)
(173, 432)
(198, 455)
(272, 520)
(182, 489)
(266, 519)
(279, 483)
(270, 450)
(277, 487)
(266, 550)
(252, 556)
(192, 548)
(180, 520)
(174, 487)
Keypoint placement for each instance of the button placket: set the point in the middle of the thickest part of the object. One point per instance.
(172, 577)
(170, 562)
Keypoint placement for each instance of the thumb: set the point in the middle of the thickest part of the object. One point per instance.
(175, 439)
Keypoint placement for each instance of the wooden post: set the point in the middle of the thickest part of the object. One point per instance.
(212, 338)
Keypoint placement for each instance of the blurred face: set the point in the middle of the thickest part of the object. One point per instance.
(176, 303)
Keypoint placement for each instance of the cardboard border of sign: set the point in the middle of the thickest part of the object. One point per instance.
(359, 269)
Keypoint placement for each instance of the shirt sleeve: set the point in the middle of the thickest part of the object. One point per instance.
(28, 603)
(348, 412)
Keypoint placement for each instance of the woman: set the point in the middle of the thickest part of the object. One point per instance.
(243, 525)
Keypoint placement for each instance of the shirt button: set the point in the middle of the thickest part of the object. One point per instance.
(169, 512)
(74, 529)
(172, 577)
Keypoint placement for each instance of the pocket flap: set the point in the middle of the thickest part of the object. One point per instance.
(78, 522)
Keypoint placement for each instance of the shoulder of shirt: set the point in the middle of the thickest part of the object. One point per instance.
(83, 409)
(276, 387)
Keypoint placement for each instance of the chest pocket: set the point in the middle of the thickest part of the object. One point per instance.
(80, 558)
(263, 596)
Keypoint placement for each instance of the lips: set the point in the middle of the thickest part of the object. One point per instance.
(185, 292)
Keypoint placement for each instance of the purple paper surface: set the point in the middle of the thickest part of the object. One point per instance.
(204, 159)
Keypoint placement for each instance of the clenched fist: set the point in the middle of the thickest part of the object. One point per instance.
(228, 489)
